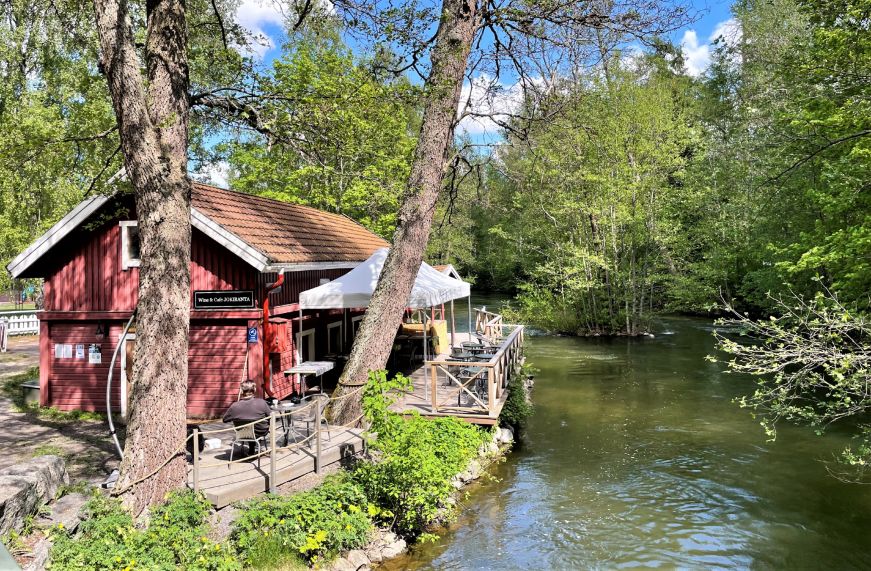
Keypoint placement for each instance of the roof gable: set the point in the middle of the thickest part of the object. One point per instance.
(265, 233)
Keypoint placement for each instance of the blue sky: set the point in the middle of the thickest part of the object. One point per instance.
(266, 20)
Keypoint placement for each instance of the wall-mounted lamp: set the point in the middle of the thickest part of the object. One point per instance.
(101, 331)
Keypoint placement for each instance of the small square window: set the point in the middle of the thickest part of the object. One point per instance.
(129, 244)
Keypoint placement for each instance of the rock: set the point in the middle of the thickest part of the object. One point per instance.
(492, 449)
(374, 555)
(342, 564)
(41, 552)
(358, 558)
(505, 435)
(474, 470)
(457, 483)
(49, 473)
(392, 550)
(65, 511)
(18, 499)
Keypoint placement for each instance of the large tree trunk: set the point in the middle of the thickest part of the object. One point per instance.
(378, 329)
(154, 131)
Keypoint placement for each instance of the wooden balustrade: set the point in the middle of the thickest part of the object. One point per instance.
(495, 373)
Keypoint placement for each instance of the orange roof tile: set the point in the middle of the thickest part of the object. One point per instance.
(286, 233)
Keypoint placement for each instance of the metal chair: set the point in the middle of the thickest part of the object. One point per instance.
(310, 415)
(246, 434)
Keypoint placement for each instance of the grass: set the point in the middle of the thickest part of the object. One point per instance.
(11, 389)
(13, 307)
(48, 450)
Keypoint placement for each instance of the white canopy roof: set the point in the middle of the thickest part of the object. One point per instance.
(354, 289)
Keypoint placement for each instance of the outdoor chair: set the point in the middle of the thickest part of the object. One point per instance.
(309, 416)
(246, 435)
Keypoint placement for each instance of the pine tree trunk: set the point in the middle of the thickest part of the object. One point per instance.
(153, 129)
(377, 331)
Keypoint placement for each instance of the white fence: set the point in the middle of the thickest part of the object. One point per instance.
(21, 322)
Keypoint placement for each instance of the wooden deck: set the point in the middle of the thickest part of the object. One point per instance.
(224, 482)
(441, 389)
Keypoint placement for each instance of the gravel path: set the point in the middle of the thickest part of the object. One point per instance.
(84, 444)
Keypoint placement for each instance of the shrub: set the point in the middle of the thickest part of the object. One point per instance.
(314, 525)
(175, 539)
(418, 458)
(517, 408)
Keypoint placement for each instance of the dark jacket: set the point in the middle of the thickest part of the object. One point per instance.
(246, 410)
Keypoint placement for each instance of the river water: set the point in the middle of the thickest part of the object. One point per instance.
(636, 457)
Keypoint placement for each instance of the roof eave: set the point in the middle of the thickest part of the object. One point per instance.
(55, 234)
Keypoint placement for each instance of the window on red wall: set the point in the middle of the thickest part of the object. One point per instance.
(129, 244)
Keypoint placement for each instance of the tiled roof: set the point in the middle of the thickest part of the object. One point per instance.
(286, 233)
(441, 267)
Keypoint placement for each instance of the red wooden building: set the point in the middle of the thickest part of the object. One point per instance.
(89, 261)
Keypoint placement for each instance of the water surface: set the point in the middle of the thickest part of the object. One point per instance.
(637, 458)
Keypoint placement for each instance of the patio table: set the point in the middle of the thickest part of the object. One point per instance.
(310, 368)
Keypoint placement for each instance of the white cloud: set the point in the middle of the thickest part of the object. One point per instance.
(697, 57)
(488, 99)
(254, 15)
(217, 174)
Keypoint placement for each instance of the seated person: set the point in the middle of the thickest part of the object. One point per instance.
(249, 408)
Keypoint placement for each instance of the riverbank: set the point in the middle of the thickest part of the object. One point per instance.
(637, 457)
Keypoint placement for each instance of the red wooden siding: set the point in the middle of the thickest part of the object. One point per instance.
(214, 268)
(297, 282)
(88, 276)
(75, 383)
(215, 366)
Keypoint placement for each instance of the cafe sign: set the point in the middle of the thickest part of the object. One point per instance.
(241, 299)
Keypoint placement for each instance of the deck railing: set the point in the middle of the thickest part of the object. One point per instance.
(488, 324)
(484, 382)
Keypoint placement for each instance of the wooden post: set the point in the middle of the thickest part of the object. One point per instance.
(196, 459)
(491, 390)
(318, 436)
(272, 453)
(434, 388)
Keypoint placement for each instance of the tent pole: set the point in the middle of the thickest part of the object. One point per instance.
(470, 316)
(298, 382)
(425, 373)
(453, 326)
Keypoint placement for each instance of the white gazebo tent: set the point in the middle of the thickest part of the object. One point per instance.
(354, 289)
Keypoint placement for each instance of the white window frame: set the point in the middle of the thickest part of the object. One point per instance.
(126, 262)
(354, 320)
(311, 345)
(341, 327)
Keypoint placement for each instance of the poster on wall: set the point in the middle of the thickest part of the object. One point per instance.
(80, 350)
(58, 351)
(68, 350)
(95, 357)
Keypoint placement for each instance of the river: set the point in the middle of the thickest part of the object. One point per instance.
(636, 457)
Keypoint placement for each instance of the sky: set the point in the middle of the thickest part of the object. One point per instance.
(265, 20)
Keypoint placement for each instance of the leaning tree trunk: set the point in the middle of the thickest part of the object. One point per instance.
(153, 129)
(378, 329)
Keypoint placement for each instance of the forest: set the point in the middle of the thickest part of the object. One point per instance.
(627, 189)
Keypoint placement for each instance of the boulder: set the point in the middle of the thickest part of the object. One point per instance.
(40, 556)
(25, 487)
(342, 564)
(358, 559)
(18, 499)
(49, 473)
(66, 511)
(505, 436)
(393, 549)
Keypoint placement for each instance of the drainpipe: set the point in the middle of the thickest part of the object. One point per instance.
(272, 288)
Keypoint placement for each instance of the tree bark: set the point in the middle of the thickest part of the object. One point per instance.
(153, 125)
(372, 347)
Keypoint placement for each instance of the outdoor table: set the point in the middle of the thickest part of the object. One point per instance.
(282, 407)
(308, 368)
(462, 356)
(473, 347)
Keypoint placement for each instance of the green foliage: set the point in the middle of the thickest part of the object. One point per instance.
(175, 539)
(813, 363)
(517, 408)
(417, 458)
(311, 525)
(348, 145)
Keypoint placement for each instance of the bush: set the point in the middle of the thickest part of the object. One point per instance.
(418, 458)
(314, 525)
(517, 408)
(175, 539)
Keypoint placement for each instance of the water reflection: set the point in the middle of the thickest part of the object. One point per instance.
(637, 458)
